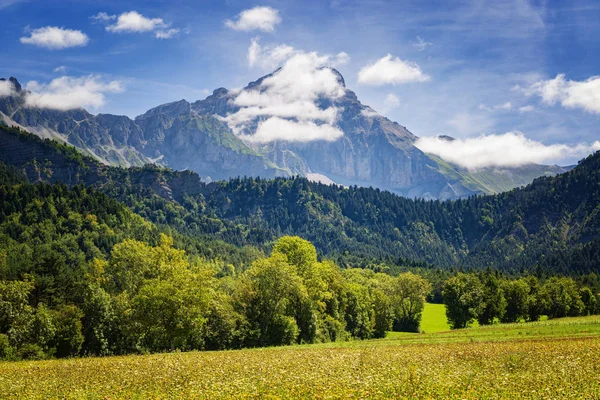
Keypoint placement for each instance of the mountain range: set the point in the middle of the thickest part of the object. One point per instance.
(373, 151)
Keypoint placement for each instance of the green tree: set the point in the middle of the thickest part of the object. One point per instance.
(407, 294)
(562, 297)
(270, 296)
(69, 336)
(517, 294)
(463, 296)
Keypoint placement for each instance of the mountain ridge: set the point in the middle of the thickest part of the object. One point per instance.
(373, 151)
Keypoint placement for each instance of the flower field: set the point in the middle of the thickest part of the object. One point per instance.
(549, 359)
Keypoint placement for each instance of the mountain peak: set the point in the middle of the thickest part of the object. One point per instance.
(15, 83)
(337, 73)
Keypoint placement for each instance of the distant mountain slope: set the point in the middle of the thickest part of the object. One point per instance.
(373, 150)
(552, 224)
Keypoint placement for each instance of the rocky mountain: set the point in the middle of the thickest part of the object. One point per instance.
(373, 151)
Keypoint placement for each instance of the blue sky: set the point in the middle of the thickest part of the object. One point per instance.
(486, 67)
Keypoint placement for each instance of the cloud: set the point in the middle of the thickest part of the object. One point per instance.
(287, 102)
(55, 38)
(257, 18)
(498, 107)
(166, 34)
(272, 56)
(421, 44)
(103, 17)
(133, 21)
(269, 57)
(6, 88)
(528, 108)
(61, 68)
(388, 70)
(67, 93)
(276, 128)
(570, 94)
(511, 149)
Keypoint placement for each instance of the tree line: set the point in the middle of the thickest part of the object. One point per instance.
(147, 298)
(488, 298)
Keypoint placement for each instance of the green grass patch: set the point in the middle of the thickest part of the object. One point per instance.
(434, 318)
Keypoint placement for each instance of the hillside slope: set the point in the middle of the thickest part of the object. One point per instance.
(552, 224)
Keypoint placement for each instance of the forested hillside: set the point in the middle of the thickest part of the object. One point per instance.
(123, 261)
(551, 225)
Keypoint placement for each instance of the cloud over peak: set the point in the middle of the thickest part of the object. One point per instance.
(258, 18)
(270, 57)
(55, 38)
(388, 70)
(285, 104)
(6, 88)
(511, 149)
(67, 93)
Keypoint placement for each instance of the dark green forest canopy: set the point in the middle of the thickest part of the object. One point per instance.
(551, 225)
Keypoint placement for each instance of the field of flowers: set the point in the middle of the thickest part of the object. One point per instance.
(550, 359)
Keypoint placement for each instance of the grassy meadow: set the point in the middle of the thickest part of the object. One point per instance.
(548, 359)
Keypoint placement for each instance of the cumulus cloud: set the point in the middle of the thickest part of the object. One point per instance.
(133, 21)
(511, 149)
(6, 88)
(388, 70)
(286, 102)
(570, 94)
(257, 18)
(270, 57)
(67, 93)
(61, 68)
(55, 38)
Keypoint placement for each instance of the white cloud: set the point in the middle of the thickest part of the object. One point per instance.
(133, 21)
(421, 44)
(6, 88)
(166, 34)
(388, 70)
(287, 100)
(570, 94)
(511, 149)
(55, 38)
(67, 93)
(257, 18)
(276, 128)
(61, 68)
(269, 57)
(528, 108)
(103, 17)
(503, 107)
(272, 56)
(391, 101)
(368, 112)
